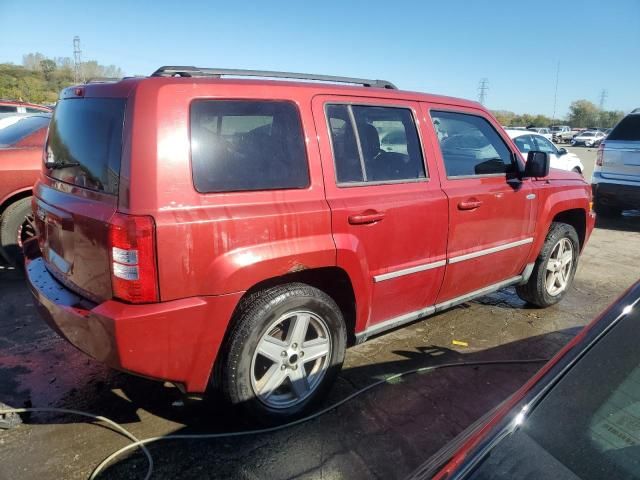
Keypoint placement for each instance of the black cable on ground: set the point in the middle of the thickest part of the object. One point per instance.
(136, 443)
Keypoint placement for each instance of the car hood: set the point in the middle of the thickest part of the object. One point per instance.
(555, 174)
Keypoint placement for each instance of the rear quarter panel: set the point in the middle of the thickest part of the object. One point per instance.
(218, 243)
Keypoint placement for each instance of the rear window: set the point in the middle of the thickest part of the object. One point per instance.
(247, 145)
(17, 131)
(86, 135)
(627, 129)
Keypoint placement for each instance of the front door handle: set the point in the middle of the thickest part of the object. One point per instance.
(365, 218)
(470, 204)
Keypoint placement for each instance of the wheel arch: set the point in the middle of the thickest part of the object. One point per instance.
(13, 197)
(577, 218)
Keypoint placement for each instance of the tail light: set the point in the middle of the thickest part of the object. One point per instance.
(600, 155)
(134, 276)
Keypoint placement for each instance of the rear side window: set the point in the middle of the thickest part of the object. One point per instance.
(374, 144)
(628, 129)
(15, 132)
(8, 108)
(85, 142)
(470, 146)
(247, 145)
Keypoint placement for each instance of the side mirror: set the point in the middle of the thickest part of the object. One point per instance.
(537, 164)
(562, 151)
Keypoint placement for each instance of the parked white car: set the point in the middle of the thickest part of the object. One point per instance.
(590, 138)
(560, 158)
(545, 132)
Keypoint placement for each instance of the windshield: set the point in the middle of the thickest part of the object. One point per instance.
(588, 426)
(15, 132)
(86, 134)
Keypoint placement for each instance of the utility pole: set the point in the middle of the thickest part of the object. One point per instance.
(483, 87)
(77, 61)
(555, 95)
(603, 98)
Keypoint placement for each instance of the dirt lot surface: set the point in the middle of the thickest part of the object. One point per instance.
(385, 433)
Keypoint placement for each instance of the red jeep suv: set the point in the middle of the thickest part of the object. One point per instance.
(240, 233)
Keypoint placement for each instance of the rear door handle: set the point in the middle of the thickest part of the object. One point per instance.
(366, 218)
(470, 204)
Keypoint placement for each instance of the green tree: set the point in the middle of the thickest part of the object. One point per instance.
(583, 113)
(608, 119)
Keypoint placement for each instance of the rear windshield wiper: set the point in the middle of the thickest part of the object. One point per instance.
(58, 165)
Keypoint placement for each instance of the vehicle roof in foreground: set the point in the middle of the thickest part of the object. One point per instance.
(576, 418)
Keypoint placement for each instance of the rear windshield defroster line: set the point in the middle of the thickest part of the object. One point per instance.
(87, 134)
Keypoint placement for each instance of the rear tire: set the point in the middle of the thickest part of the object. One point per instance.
(16, 226)
(283, 353)
(554, 269)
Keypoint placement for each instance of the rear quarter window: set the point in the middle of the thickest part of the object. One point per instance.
(247, 145)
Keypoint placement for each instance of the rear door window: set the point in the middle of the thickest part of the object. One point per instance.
(247, 145)
(470, 146)
(374, 144)
(8, 108)
(628, 129)
(85, 142)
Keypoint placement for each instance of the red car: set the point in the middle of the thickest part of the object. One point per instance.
(11, 106)
(20, 165)
(241, 233)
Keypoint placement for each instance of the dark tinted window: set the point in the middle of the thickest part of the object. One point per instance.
(8, 108)
(87, 133)
(347, 160)
(627, 129)
(247, 145)
(386, 147)
(23, 127)
(588, 426)
(470, 145)
(35, 110)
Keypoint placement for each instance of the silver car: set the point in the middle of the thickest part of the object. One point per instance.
(616, 177)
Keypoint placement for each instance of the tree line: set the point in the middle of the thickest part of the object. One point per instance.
(39, 79)
(582, 114)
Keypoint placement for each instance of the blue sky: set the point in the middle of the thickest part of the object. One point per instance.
(443, 47)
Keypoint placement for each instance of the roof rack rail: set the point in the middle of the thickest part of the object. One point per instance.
(185, 71)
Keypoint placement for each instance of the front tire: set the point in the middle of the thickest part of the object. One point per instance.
(16, 226)
(283, 353)
(554, 269)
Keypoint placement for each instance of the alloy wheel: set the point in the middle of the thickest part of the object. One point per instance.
(291, 359)
(559, 267)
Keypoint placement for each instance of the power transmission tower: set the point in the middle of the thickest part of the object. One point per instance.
(77, 61)
(483, 87)
(603, 98)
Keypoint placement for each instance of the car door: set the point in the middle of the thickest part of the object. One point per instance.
(491, 211)
(388, 213)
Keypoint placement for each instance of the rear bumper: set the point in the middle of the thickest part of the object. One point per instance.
(620, 195)
(176, 341)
